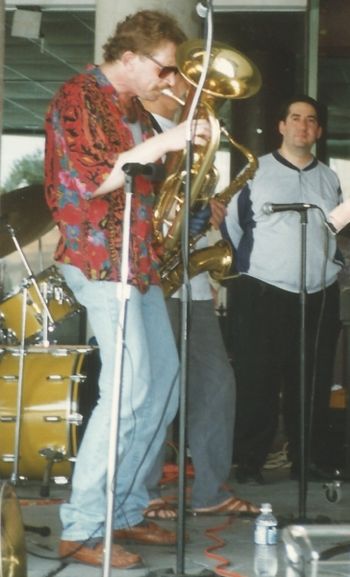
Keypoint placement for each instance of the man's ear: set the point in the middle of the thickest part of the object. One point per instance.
(319, 133)
(128, 57)
(281, 127)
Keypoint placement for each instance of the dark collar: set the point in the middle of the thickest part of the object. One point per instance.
(284, 161)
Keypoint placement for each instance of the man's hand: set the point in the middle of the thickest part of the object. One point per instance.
(218, 213)
(214, 214)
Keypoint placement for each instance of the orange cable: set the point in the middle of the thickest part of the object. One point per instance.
(170, 474)
(40, 501)
(223, 562)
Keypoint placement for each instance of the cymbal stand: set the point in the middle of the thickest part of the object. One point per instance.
(44, 292)
(29, 280)
(15, 475)
(31, 277)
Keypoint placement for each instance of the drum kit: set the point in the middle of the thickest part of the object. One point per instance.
(39, 380)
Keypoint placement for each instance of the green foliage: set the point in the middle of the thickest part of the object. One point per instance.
(27, 170)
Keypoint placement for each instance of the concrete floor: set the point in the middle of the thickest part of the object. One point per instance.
(232, 536)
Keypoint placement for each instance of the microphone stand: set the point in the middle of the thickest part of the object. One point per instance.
(185, 289)
(305, 425)
(123, 294)
(303, 450)
(152, 172)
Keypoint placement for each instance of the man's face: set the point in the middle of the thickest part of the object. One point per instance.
(155, 71)
(300, 129)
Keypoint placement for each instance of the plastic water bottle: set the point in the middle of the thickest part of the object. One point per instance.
(265, 538)
(265, 532)
(265, 561)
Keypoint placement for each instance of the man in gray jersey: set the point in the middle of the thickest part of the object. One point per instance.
(265, 318)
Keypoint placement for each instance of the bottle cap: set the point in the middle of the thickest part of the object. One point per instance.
(266, 507)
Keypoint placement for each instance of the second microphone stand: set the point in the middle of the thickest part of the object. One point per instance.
(303, 437)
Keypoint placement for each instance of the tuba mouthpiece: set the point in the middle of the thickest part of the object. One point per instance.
(168, 92)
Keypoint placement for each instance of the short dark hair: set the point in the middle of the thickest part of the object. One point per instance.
(319, 108)
(141, 33)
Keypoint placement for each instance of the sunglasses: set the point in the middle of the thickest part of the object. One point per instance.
(164, 70)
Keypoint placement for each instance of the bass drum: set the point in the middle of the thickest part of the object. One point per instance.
(46, 434)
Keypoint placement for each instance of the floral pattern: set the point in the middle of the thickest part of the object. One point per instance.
(86, 128)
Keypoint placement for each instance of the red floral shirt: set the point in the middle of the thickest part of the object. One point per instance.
(87, 126)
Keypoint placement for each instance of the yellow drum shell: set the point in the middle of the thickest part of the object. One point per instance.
(49, 408)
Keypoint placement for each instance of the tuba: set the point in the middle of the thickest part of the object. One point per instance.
(230, 76)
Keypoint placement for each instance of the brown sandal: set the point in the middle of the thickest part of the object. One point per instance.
(160, 510)
(231, 506)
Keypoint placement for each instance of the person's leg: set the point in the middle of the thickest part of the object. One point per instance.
(325, 351)
(211, 407)
(84, 515)
(322, 330)
(155, 475)
(255, 317)
(152, 366)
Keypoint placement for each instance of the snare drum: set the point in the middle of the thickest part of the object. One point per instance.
(58, 296)
(49, 414)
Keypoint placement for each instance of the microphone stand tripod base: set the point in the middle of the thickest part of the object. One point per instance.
(171, 573)
(294, 520)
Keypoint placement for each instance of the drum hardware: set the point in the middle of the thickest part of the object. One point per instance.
(59, 299)
(7, 458)
(78, 378)
(46, 327)
(31, 278)
(8, 337)
(18, 421)
(12, 553)
(75, 419)
(51, 457)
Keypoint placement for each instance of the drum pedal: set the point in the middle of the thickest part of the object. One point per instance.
(52, 456)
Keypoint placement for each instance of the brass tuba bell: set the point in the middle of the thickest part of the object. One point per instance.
(231, 75)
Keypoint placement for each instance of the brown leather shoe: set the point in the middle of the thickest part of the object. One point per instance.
(93, 555)
(146, 533)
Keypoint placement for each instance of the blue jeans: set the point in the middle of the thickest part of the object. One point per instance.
(211, 394)
(149, 401)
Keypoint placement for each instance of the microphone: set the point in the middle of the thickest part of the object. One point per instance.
(270, 208)
(202, 8)
(151, 170)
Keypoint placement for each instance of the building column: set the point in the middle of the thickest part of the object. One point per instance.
(110, 12)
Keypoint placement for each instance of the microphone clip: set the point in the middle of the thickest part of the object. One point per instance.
(203, 8)
(152, 170)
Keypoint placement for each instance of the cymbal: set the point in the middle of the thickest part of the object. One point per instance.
(12, 551)
(27, 213)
